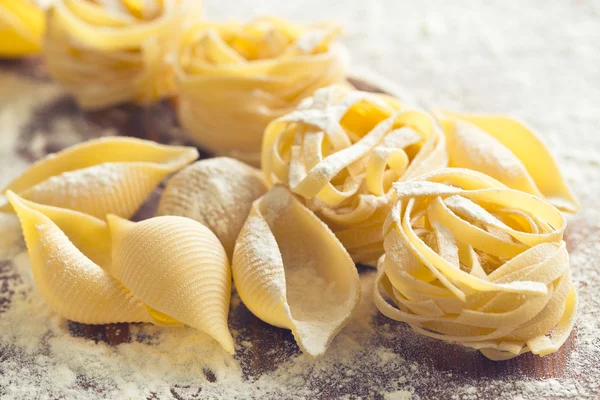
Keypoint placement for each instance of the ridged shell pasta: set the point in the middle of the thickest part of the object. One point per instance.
(177, 266)
(69, 251)
(508, 151)
(471, 261)
(21, 28)
(112, 52)
(291, 271)
(341, 150)
(108, 175)
(233, 79)
(218, 193)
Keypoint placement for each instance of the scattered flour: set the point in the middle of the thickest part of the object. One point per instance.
(508, 57)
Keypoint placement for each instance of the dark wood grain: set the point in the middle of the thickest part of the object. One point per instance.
(159, 123)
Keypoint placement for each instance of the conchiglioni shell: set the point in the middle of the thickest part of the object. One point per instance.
(68, 277)
(110, 175)
(177, 266)
(218, 193)
(21, 28)
(508, 151)
(292, 272)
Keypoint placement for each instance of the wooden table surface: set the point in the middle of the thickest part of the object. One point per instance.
(452, 368)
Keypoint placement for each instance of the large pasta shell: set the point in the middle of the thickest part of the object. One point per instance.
(469, 260)
(68, 250)
(108, 175)
(218, 193)
(292, 272)
(508, 151)
(177, 266)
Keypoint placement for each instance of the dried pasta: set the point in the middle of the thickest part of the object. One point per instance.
(108, 175)
(233, 79)
(177, 266)
(69, 254)
(22, 25)
(218, 193)
(471, 261)
(291, 271)
(508, 151)
(341, 150)
(113, 51)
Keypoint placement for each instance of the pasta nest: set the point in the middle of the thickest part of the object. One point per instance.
(469, 260)
(21, 28)
(107, 53)
(233, 79)
(342, 149)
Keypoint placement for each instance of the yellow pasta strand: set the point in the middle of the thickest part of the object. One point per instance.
(65, 248)
(178, 267)
(108, 175)
(509, 151)
(471, 261)
(341, 150)
(22, 25)
(233, 79)
(113, 52)
(291, 271)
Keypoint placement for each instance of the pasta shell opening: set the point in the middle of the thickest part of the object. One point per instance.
(75, 286)
(178, 267)
(292, 272)
(108, 175)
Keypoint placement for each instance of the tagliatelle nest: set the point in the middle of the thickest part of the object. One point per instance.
(233, 79)
(112, 52)
(469, 260)
(342, 149)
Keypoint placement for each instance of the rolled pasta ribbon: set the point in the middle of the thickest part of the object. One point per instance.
(114, 51)
(177, 266)
(22, 25)
(218, 193)
(508, 151)
(233, 79)
(291, 271)
(471, 261)
(101, 176)
(341, 150)
(70, 255)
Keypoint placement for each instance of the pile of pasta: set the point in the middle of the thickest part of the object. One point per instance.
(233, 79)
(462, 214)
(111, 52)
(342, 149)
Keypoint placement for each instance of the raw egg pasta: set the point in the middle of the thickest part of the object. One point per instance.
(69, 254)
(177, 266)
(341, 150)
(21, 28)
(218, 193)
(291, 271)
(471, 261)
(508, 151)
(108, 175)
(233, 79)
(112, 51)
